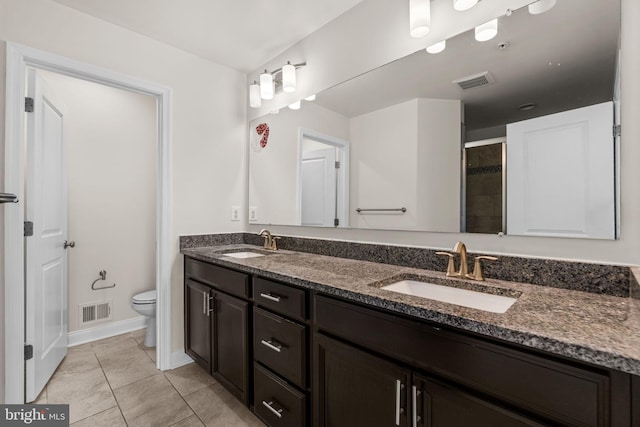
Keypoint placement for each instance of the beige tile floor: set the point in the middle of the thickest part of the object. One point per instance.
(114, 382)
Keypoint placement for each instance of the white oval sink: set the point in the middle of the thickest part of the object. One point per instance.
(243, 255)
(464, 297)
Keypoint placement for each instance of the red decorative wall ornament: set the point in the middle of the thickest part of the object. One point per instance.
(263, 129)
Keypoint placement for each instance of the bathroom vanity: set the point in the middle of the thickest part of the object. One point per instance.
(316, 341)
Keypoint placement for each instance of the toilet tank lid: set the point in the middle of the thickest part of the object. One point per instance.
(149, 296)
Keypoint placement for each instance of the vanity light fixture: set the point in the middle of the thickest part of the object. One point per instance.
(419, 18)
(266, 85)
(311, 97)
(487, 31)
(266, 89)
(289, 78)
(541, 6)
(295, 105)
(461, 5)
(438, 47)
(255, 100)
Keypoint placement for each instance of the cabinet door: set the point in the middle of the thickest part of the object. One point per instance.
(435, 404)
(353, 388)
(230, 343)
(197, 323)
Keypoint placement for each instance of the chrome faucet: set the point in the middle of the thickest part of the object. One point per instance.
(270, 241)
(463, 271)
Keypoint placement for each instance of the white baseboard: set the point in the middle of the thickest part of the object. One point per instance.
(105, 331)
(179, 358)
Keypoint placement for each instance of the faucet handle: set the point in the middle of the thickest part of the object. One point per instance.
(477, 266)
(451, 268)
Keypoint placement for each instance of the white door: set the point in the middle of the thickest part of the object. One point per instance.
(46, 256)
(560, 174)
(318, 178)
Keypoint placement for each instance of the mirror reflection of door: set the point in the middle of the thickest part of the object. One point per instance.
(484, 195)
(318, 176)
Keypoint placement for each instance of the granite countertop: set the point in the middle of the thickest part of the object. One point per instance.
(599, 329)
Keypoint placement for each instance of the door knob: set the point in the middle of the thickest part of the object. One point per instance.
(70, 244)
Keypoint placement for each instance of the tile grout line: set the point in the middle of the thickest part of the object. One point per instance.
(111, 389)
(185, 401)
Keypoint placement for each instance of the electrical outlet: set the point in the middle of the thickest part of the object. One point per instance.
(235, 213)
(253, 214)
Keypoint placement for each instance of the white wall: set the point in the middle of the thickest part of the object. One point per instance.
(341, 50)
(111, 143)
(2, 95)
(208, 116)
(384, 167)
(439, 135)
(273, 182)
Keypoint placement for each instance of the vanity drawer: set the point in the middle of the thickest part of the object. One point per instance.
(277, 403)
(283, 299)
(281, 345)
(229, 281)
(562, 392)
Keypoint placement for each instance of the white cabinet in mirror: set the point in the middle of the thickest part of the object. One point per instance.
(400, 135)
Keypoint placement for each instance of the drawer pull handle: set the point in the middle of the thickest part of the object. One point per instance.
(276, 412)
(414, 403)
(272, 345)
(398, 385)
(270, 297)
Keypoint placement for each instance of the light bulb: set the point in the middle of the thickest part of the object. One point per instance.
(419, 17)
(255, 101)
(438, 47)
(266, 85)
(464, 4)
(295, 105)
(487, 31)
(289, 78)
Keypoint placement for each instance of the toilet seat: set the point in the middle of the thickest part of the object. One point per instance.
(148, 297)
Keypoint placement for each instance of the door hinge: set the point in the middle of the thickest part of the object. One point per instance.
(28, 352)
(28, 229)
(617, 130)
(337, 165)
(28, 105)
(336, 222)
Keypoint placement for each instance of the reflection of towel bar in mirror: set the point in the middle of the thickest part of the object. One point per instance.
(8, 198)
(403, 210)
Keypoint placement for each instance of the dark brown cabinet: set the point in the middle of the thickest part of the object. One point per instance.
(230, 339)
(354, 388)
(217, 324)
(197, 323)
(281, 353)
(501, 382)
(436, 404)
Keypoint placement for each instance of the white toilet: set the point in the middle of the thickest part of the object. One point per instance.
(145, 304)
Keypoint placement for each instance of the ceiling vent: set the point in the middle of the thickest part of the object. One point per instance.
(481, 79)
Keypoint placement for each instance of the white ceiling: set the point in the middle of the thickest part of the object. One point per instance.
(242, 34)
(560, 60)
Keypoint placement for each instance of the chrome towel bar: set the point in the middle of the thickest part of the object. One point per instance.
(403, 210)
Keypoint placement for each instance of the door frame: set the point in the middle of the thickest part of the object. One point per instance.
(342, 198)
(18, 58)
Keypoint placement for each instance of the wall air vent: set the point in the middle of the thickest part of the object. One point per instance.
(481, 79)
(95, 312)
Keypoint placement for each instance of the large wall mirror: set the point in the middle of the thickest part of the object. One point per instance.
(513, 135)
